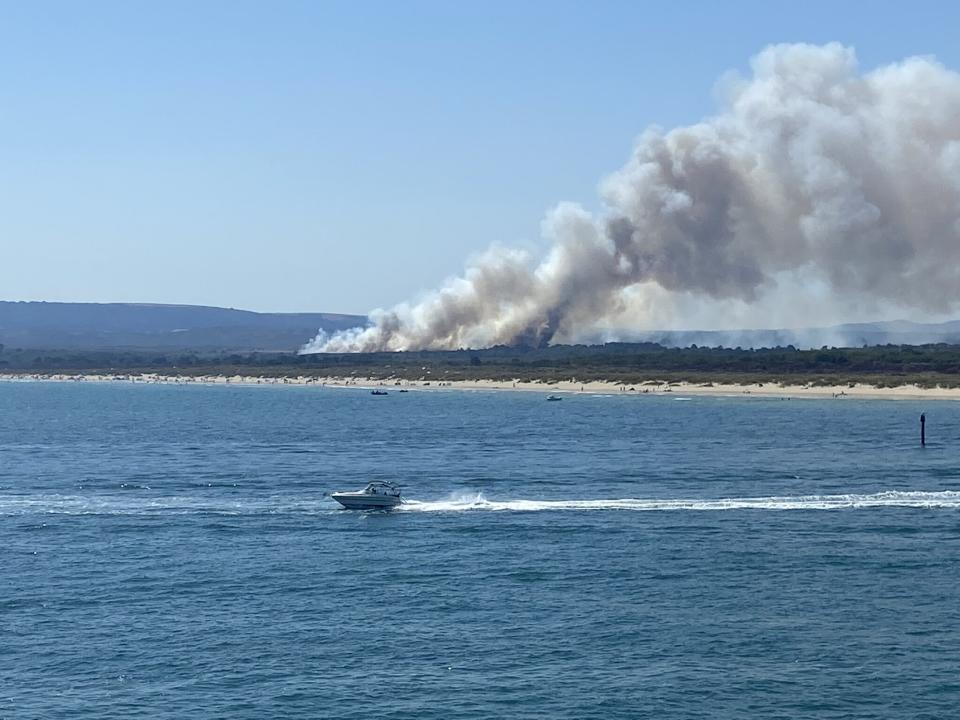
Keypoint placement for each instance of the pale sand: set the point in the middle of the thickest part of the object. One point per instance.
(903, 392)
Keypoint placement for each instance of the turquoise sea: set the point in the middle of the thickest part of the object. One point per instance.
(172, 552)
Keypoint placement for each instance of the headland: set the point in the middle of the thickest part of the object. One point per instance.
(902, 371)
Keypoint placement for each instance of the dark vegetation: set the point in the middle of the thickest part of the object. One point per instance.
(889, 365)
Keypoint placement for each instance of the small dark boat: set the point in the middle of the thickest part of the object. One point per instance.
(378, 392)
(553, 398)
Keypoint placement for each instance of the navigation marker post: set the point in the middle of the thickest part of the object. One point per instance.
(923, 430)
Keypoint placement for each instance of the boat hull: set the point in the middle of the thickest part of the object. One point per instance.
(362, 501)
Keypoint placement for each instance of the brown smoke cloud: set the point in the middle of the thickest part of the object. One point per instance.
(810, 167)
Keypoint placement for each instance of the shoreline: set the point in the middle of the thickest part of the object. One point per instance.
(596, 387)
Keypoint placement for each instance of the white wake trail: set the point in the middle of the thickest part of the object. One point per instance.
(52, 504)
(892, 498)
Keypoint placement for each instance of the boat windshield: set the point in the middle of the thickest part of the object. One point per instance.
(381, 489)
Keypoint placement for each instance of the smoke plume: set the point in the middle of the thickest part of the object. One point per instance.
(811, 169)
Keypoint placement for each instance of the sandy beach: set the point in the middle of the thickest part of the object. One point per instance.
(770, 389)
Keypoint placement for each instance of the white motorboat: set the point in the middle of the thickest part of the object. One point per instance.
(378, 495)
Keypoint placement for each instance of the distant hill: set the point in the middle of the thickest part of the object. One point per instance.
(896, 332)
(129, 326)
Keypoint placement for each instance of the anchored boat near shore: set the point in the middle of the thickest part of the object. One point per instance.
(378, 495)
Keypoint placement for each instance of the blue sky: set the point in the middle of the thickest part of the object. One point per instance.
(326, 156)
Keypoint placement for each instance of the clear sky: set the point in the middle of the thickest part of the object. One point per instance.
(328, 156)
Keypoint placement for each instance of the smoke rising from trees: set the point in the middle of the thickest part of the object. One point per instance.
(810, 168)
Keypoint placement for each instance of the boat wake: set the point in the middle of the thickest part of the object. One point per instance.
(50, 504)
(892, 498)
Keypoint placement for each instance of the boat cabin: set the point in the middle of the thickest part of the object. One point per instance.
(379, 487)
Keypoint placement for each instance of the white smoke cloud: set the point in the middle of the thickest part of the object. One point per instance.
(811, 169)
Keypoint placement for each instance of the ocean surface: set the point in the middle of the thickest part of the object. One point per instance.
(171, 552)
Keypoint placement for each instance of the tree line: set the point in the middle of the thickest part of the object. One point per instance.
(629, 362)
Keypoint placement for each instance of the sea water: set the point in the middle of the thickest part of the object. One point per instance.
(172, 552)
